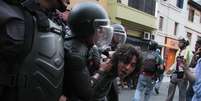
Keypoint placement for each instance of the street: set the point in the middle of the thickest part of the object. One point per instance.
(127, 94)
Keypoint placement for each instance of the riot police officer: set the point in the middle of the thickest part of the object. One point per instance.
(89, 24)
(31, 51)
(119, 36)
(111, 89)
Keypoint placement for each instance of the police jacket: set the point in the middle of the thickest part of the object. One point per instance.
(78, 84)
(31, 59)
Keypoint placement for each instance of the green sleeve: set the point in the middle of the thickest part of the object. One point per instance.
(159, 59)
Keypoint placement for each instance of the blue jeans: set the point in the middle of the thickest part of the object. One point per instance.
(145, 83)
(159, 81)
(189, 93)
(182, 85)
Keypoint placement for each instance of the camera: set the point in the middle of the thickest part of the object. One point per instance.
(178, 72)
(180, 60)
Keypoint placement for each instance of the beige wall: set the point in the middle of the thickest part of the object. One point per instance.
(171, 14)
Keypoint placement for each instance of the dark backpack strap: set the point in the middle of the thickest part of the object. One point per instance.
(29, 31)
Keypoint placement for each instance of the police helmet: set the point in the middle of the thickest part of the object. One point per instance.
(120, 33)
(85, 17)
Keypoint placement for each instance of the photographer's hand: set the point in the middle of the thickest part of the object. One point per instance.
(187, 72)
(183, 65)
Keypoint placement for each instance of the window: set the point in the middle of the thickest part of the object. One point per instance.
(152, 37)
(119, 1)
(161, 23)
(147, 6)
(133, 3)
(191, 14)
(180, 3)
(150, 7)
(175, 28)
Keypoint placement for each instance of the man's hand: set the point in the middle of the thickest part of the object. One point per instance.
(63, 15)
(63, 98)
(105, 66)
(183, 65)
(111, 53)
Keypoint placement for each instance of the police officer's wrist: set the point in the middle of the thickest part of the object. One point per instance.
(99, 74)
(96, 76)
(101, 70)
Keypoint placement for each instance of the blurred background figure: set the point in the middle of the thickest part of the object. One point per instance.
(177, 77)
(160, 74)
(150, 65)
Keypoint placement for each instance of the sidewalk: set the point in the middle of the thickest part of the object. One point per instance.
(127, 94)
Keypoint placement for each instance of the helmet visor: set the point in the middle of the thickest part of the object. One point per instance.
(119, 38)
(103, 36)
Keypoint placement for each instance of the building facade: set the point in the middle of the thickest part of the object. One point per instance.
(170, 25)
(193, 21)
(137, 16)
(160, 20)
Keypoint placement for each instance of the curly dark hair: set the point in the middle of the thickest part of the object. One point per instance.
(198, 41)
(125, 54)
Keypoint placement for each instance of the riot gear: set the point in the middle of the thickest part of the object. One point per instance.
(120, 33)
(61, 3)
(32, 63)
(90, 26)
(92, 19)
(119, 36)
(84, 15)
(14, 2)
(103, 36)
